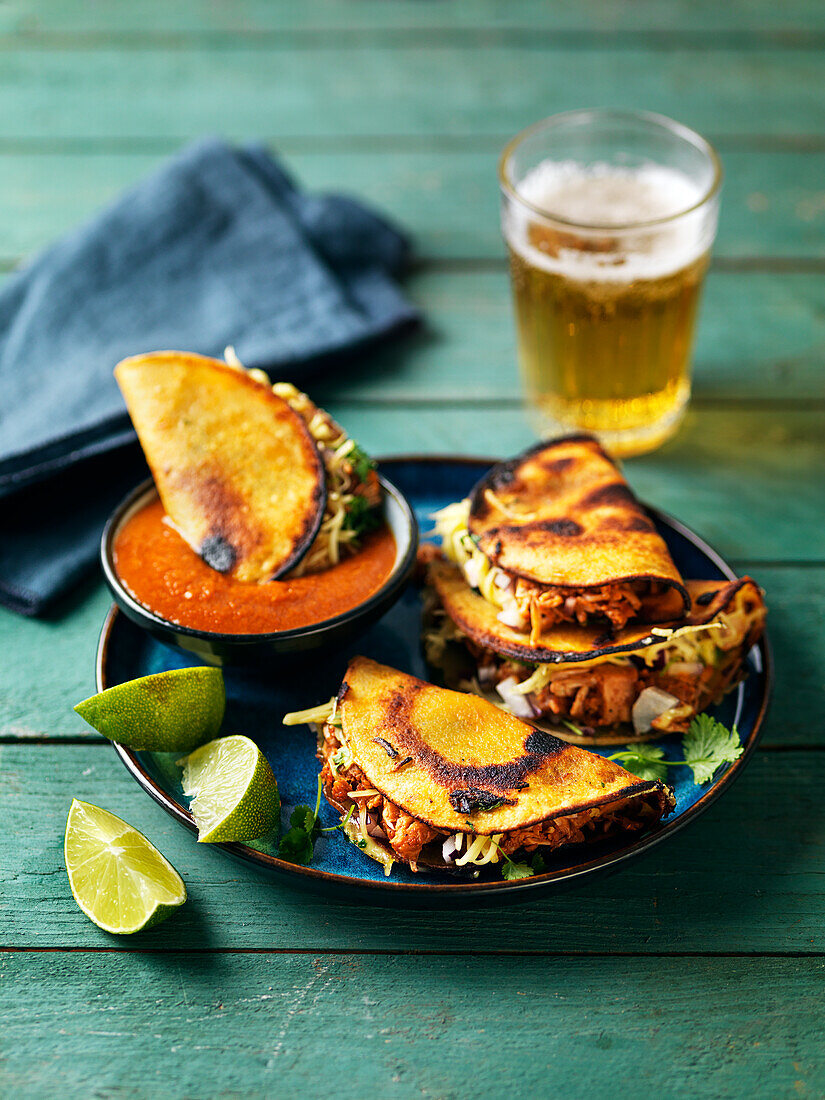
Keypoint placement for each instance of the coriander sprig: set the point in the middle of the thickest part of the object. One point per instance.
(512, 870)
(707, 745)
(298, 843)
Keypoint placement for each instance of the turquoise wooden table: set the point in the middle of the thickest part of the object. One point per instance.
(698, 971)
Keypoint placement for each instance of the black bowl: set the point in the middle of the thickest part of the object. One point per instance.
(220, 649)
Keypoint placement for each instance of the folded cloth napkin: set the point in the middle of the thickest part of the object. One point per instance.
(217, 247)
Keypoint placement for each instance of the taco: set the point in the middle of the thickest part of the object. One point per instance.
(445, 780)
(590, 685)
(556, 535)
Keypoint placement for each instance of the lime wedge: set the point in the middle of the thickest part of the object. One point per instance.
(167, 712)
(234, 793)
(118, 878)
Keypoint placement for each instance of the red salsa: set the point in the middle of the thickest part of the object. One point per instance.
(165, 575)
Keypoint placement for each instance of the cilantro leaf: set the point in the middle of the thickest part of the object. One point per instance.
(302, 817)
(361, 462)
(707, 745)
(298, 843)
(361, 516)
(511, 870)
(296, 846)
(643, 760)
(539, 863)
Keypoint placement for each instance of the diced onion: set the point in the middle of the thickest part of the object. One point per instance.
(510, 616)
(449, 849)
(652, 703)
(685, 668)
(519, 704)
(473, 571)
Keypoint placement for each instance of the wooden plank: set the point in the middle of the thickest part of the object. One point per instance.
(48, 666)
(262, 16)
(466, 347)
(242, 92)
(757, 853)
(447, 199)
(257, 1026)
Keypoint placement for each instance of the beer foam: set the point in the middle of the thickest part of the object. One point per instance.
(609, 196)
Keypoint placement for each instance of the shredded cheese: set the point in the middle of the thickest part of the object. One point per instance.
(325, 712)
(451, 527)
(480, 850)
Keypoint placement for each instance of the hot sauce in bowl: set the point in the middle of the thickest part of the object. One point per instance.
(165, 575)
(160, 583)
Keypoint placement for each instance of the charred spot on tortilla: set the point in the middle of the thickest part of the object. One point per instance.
(235, 466)
(540, 743)
(218, 553)
(705, 598)
(474, 800)
(616, 493)
(389, 749)
(567, 528)
(557, 465)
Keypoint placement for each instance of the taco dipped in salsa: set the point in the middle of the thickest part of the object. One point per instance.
(260, 490)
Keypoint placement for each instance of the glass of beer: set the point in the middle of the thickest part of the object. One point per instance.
(609, 218)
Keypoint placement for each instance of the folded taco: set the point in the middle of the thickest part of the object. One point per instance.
(556, 535)
(257, 479)
(592, 686)
(442, 779)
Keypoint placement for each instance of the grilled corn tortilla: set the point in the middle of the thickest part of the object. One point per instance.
(697, 660)
(465, 753)
(562, 524)
(236, 467)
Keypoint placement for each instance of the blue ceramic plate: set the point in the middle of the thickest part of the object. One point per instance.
(257, 700)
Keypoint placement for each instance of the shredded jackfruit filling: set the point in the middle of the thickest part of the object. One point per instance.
(524, 604)
(686, 651)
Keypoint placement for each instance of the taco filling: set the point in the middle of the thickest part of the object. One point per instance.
(655, 682)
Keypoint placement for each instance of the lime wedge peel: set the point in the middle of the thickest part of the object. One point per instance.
(172, 711)
(120, 881)
(233, 792)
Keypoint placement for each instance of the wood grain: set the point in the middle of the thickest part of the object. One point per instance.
(679, 18)
(407, 1027)
(773, 204)
(696, 972)
(465, 350)
(49, 93)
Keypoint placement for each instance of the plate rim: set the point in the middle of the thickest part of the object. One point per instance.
(386, 890)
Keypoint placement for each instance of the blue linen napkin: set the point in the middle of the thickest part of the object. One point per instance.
(217, 247)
